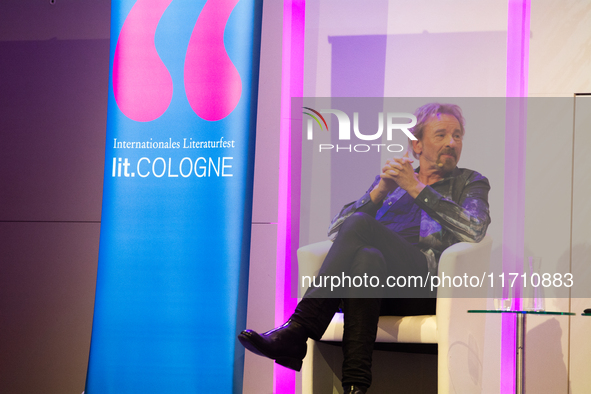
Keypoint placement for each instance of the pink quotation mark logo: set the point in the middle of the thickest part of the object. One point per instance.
(141, 82)
(212, 83)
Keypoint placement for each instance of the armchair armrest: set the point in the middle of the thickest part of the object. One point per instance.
(310, 258)
(461, 335)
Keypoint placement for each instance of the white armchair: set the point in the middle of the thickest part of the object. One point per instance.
(458, 335)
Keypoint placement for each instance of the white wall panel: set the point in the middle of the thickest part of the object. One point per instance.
(547, 235)
(258, 371)
(580, 350)
(560, 42)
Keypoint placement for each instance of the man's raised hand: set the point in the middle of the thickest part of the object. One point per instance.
(390, 177)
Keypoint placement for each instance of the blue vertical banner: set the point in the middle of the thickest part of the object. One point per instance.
(177, 197)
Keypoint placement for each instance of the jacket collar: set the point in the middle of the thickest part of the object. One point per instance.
(453, 174)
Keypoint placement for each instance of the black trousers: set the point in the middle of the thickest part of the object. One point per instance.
(364, 247)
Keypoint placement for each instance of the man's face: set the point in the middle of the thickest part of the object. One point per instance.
(441, 145)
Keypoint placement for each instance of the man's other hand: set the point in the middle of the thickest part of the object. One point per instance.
(397, 172)
(400, 171)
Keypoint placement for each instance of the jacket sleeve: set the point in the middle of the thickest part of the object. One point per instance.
(468, 219)
(364, 204)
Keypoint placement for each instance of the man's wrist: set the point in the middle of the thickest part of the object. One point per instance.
(377, 195)
(416, 190)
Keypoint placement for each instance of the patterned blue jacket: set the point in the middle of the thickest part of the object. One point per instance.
(454, 209)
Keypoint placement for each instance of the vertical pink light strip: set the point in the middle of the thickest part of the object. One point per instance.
(288, 215)
(518, 31)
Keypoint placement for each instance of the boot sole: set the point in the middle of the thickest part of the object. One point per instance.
(291, 363)
(287, 362)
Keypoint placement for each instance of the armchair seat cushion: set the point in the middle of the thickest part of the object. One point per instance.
(401, 329)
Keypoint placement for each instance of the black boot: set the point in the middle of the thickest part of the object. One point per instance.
(286, 344)
(354, 390)
(360, 329)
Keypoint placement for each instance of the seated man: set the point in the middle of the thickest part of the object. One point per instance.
(399, 227)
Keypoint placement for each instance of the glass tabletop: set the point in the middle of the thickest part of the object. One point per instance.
(523, 312)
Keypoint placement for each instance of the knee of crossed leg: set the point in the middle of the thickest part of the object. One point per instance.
(357, 222)
(369, 261)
